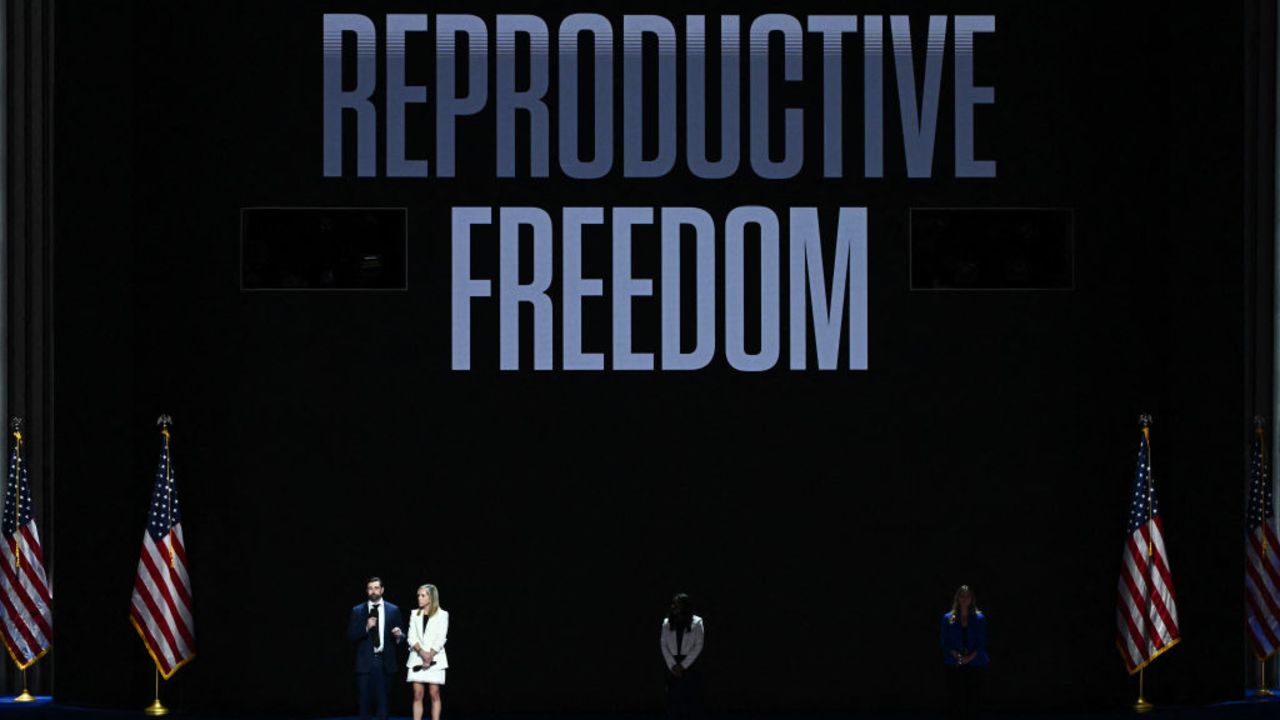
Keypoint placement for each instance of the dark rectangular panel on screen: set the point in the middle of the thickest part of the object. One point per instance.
(992, 249)
(323, 248)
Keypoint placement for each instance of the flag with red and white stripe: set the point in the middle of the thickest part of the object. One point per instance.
(1146, 613)
(1262, 566)
(26, 615)
(161, 611)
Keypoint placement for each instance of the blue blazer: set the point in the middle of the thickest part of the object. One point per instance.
(357, 634)
(953, 639)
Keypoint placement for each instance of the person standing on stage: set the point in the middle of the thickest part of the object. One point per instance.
(377, 630)
(682, 638)
(428, 632)
(964, 653)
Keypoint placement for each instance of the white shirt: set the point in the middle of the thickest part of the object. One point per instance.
(690, 647)
(382, 617)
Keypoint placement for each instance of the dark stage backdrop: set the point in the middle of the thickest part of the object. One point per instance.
(821, 520)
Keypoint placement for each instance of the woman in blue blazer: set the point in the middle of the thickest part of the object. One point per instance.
(964, 653)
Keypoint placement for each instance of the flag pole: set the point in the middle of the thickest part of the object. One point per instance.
(26, 696)
(1258, 424)
(1142, 705)
(15, 426)
(156, 708)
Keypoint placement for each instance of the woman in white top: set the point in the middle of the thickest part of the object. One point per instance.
(682, 638)
(428, 631)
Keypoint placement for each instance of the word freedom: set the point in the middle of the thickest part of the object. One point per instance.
(580, 99)
(749, 225)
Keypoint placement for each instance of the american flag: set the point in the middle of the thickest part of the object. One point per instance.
(161, 611)
(1146, 614)
(1262, 567)
(26, 618)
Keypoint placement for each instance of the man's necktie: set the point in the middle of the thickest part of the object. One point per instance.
(373, 631)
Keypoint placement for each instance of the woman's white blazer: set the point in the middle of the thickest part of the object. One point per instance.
(433, 639)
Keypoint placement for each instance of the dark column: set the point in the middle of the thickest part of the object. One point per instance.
(1259, 44)
(29, 255)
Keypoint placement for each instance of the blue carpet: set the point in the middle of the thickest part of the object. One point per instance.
(1249, 709)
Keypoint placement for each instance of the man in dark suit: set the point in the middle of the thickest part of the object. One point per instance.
(377, 630)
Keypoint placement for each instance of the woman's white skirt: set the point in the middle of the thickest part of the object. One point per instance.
(429, 675)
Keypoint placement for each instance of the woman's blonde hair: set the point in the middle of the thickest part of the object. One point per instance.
(955, 602)
(434, 594)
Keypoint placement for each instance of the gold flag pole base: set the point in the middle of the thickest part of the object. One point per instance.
(1142, 705)
(155, 709)
(1265, 692)
(26, 696)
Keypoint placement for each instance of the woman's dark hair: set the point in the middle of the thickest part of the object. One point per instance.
(681, 612)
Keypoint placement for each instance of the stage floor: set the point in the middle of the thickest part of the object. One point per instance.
(1268, 709)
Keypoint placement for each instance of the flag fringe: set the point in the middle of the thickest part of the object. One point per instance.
(151, 651)
(1260, 656)
(1137, 668)
(14, 655)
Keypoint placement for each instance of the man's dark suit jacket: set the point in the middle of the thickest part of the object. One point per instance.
(357, 634)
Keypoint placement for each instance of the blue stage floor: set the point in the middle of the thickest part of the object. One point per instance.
(1262, 709)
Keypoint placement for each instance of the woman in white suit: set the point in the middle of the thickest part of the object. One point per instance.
(428, 631)
(682, 638)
